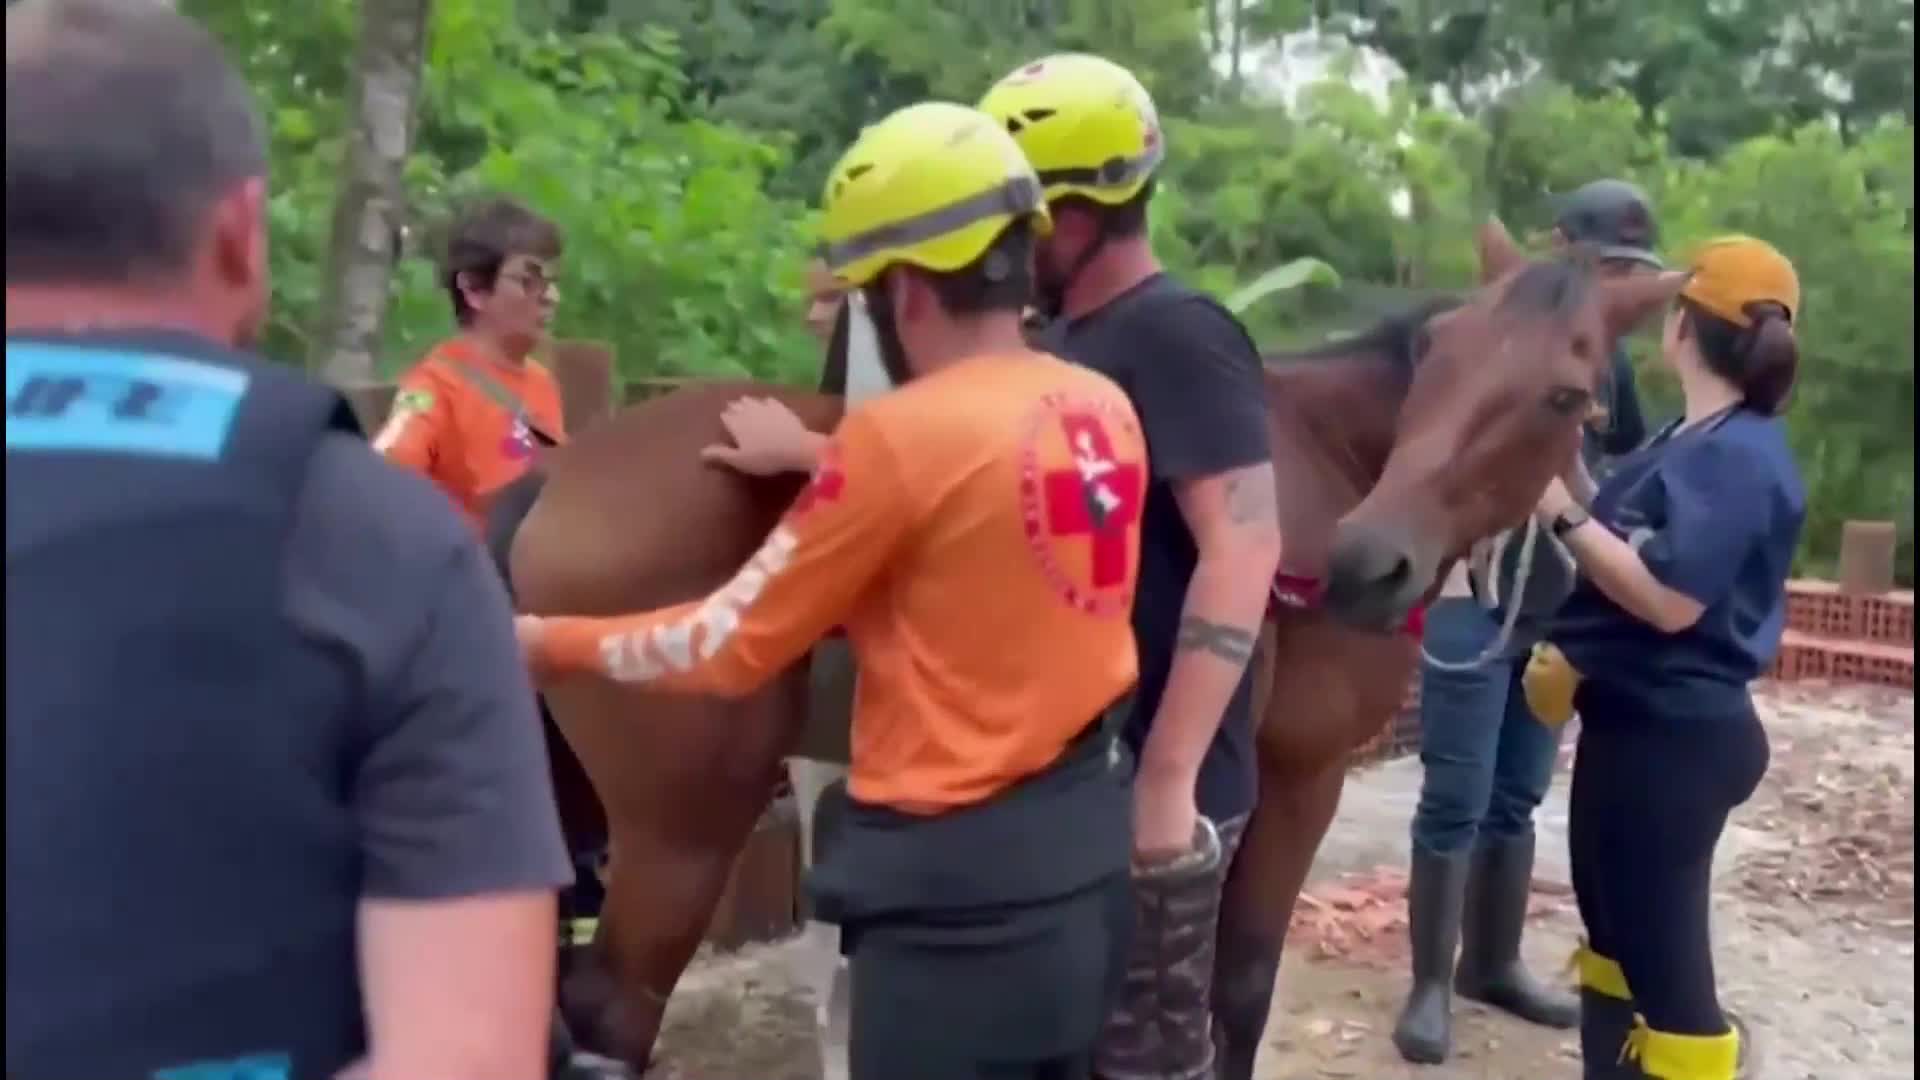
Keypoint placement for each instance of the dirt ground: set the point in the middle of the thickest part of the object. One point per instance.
(1814, 930)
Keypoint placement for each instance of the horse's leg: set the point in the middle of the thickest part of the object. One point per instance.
(683, 781)
(1295, 809)
(1330, 689)
(823, 968)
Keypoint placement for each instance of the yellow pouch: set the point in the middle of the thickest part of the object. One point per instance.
(1549, 682)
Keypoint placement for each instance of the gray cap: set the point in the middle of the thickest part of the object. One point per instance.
(1614, 217)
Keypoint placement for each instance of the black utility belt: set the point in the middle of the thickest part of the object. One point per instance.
(1049, 835)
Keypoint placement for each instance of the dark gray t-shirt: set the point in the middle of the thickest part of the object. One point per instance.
(452, 795)
(230, 719)
(1194, 377)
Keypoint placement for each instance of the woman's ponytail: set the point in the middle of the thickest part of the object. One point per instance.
(1771, 361)
(1762, 358)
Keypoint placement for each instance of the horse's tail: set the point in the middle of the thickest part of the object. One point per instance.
(510, 507)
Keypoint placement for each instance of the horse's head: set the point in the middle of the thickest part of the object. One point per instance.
(1493, 411)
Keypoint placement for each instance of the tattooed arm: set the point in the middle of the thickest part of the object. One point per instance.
(1236, 529)
(1201, 397)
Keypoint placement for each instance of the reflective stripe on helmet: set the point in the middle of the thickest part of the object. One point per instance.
(1015, 198)
(1112, 173)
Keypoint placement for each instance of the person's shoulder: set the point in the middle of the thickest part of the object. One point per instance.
(1205, 321)
(429, 370)
(373, 556)
(359, 511)
(1766, 439)
(540, 374)
(1176, 318)
(1746, 449)
(1082, 381)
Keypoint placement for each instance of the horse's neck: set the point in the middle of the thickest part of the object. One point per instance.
(1342, 412)
(1332, 425)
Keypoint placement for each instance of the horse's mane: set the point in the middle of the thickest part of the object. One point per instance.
(1393, 337)
(1553, 287)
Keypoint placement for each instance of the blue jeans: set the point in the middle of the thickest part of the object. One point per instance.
(1486, 761)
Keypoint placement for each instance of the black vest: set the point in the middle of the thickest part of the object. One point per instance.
(182, 863)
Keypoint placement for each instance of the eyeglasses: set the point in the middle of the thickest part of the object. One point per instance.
(533, 284)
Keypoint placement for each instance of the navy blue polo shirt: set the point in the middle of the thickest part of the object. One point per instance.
(1715, 512)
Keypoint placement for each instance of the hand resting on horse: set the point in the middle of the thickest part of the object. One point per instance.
(768, 439)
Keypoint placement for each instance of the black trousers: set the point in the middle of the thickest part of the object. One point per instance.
(1651, 793)
(1004, 994)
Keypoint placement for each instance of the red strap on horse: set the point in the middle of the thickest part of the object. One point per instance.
(1302, 593)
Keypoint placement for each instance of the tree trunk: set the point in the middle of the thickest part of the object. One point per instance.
(367, 214)
(1233, 67)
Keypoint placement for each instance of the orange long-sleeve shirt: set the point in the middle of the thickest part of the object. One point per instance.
(470, 423)
(977, 534)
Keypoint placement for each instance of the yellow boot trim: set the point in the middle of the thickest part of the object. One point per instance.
(1599, 974)
(1664, 1056)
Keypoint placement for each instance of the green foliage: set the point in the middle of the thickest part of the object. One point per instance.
(674, 253)
(681, 145)
(1293, 275)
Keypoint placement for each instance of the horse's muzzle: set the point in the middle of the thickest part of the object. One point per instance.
(1375, 576)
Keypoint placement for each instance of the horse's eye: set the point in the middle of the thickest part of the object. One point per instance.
(1567, 400)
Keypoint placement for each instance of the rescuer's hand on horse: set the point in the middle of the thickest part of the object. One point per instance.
(768, 439)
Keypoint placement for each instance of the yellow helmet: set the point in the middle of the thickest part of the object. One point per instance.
(1086, 123)
(932, 185)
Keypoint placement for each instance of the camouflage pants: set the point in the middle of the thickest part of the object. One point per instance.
(1162, 1026)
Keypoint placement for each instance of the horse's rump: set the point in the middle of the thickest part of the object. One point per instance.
(629, 518)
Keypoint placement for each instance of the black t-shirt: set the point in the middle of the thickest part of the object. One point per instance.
(1194, 377)
(162, 860)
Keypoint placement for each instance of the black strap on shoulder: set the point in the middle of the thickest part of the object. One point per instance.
(495, 391)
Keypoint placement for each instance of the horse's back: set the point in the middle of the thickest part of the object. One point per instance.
(630, 518)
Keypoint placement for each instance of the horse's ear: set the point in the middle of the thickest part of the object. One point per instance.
(1629, 300)
(1499, 255)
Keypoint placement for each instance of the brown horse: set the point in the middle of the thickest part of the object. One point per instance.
(1394, 452)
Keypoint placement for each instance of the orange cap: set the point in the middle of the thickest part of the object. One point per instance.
(1734, 271)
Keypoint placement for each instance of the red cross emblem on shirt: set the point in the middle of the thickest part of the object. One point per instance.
(1097, 498)
(826, 484)
(1083, 487)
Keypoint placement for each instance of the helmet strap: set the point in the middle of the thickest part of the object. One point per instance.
(878, 311)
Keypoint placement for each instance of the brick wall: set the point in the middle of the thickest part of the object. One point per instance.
(1831, 635)
(1847, 637)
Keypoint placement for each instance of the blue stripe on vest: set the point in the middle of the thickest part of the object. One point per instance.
(86, 399)
(252, 1067)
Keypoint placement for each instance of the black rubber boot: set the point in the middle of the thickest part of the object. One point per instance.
(1605, 1021)
(1424, 1032)
(1498, 890)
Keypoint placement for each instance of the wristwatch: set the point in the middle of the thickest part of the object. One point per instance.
(1568, 520)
